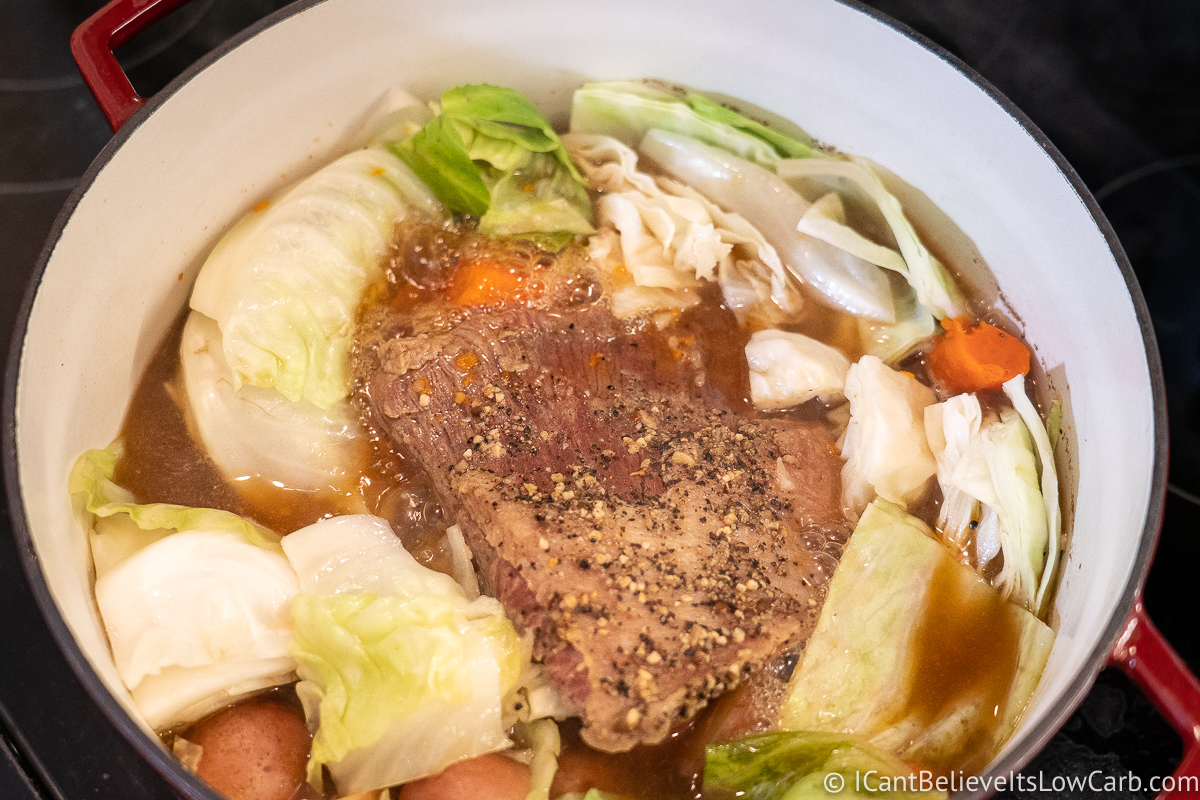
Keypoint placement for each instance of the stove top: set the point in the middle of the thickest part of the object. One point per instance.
(1113, 83)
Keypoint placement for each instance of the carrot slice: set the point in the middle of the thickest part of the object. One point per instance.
(971, 358)
(485, 281)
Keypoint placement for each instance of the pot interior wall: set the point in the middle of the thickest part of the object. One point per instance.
(292, 97)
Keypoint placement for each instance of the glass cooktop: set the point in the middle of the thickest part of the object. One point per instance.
(1113, 83)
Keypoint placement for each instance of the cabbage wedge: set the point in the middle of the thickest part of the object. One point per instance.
(265, 353)
(886, 451)
(195, 601)
(257, 432)
(401, 675)
(992, 504)
(915, 652)
(285, 283)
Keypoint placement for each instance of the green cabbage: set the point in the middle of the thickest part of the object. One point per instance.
(194, 600)
(284, 285)
(885, 448)
(765, 201)
(934, 286)
(988, 474)
(196, 620)
(891, 342)
(121, 526)
(544, 745)
(630, 111)
(252, 431)
(1015, 389)
(627, 110)
(826, 220)
(799, 765)
(670, 239)
(787, 369)
(400, 674)
(491, 154)
(914, 652)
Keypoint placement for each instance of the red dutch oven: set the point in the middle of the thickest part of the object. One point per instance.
(292, 92)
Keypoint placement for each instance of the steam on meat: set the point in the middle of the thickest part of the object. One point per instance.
(639, 523)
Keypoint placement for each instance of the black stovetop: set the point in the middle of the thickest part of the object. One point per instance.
(1115, 84)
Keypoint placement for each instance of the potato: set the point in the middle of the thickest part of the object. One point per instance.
(489, 777)
(254, 750)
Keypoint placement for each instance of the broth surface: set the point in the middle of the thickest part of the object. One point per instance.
(962, 648)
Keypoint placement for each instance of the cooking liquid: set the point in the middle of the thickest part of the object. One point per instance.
(960, 650)
(674, 769)
(966, 651)
(162, 463)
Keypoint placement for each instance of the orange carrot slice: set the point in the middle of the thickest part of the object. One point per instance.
(970, 358)
(485, 281)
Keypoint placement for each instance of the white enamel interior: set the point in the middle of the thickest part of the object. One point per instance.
(281, 104)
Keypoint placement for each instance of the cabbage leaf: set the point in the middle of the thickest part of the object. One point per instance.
(627, 110)
(197, 619)
(671, 239)
(491, 154)
(194, 600)
(787, 369)
(117, 512)
(892, 342)
(258, 432)
(396, 115)
(1015, 389)
(544, 746)
(765, 201)
(988, 475)
(460, 557)
(401, 675)
(885, 449)
(825, 219)
(285, 283)
(798, 765)
(915, 652)
(935, 288)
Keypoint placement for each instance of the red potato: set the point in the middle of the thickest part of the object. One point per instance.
(255, 750)
(489, 777)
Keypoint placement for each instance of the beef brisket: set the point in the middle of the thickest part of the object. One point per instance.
(644, 527)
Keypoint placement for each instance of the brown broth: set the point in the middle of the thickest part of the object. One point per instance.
(715, 333)
(161, 462)
(967, 646)
(674, 769)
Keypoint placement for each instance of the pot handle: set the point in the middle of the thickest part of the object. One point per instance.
(1145, 656)
(93, 43)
